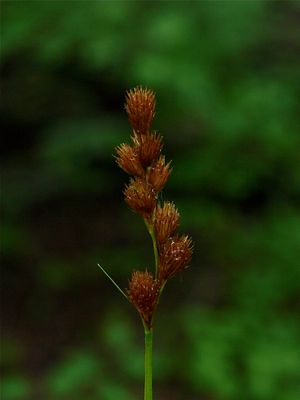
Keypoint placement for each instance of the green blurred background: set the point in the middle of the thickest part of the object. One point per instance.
(227, 79)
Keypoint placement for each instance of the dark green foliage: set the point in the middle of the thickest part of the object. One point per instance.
(227, 79)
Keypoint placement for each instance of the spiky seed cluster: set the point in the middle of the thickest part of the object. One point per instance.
(142, 159)
(140, 107)
(148, 147)
(159, 174)
(128, 160)
(143, 290)
(150, 172)
(175, 255)
(166, 221)
(141, 197)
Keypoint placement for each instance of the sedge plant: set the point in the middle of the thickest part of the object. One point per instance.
(149, 172)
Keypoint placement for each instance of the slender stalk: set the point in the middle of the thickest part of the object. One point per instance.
(112, 281)
(148, 364)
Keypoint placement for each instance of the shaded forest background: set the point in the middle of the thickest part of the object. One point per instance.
(226, 75)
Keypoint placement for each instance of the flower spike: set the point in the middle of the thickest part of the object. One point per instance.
(149, 172)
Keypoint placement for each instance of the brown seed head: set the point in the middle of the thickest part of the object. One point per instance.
(159, 174)
(143, 291)
(175, 255)
(128, 159)
(166, 222)
(140, 107)
(148, 147)
(141, 197)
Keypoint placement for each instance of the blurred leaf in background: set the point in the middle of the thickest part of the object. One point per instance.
(226, 76)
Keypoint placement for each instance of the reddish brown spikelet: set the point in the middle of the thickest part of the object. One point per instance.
(128, 159)
(148, 147)
(140, 107)
(143, 291)
(159, 174)
(166, 222)
(175, 255)
(140, 196)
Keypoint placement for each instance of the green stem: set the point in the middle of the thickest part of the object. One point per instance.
(154, 243)
(152, 234)
(148, 364)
